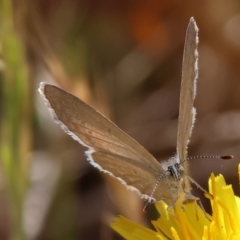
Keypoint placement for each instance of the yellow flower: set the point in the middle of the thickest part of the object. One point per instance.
(191, 222)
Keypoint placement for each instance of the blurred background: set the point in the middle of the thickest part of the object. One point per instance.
(124, 58)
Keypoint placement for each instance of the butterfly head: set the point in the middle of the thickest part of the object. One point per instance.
(176, 171)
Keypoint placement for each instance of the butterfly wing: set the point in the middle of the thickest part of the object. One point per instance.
(110, 149)
(188, 90)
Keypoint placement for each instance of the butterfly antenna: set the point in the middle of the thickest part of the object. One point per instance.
(227, 157)
(151, 199)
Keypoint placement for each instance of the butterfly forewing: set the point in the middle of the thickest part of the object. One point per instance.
(110, 149)
(188, 90)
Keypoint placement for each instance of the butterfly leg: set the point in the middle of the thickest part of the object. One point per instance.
(191, 198)
(171, 207)
(206, 193)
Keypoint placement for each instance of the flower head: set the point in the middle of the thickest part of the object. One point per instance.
(189, 221)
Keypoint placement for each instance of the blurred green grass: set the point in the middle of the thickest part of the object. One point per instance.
(15, 141)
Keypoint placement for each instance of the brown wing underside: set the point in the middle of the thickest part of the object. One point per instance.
(111, 149)
(188, 89)
(133, 174)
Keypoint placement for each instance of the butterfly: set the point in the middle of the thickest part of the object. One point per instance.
(113, 152)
